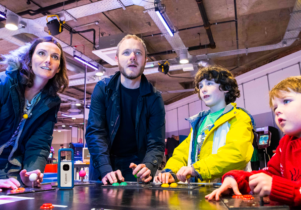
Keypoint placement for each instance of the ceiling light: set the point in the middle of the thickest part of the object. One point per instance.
(63, 126)
(59, 130)
(65, 115)
(202, 63)
(73, 118)
(183, 57)
(70, 126)
(159, 8)
(78, 104)
(12, 22)
(99, 74)
(85, 62)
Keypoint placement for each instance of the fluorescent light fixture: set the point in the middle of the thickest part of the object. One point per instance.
(2, 15)
(85, 62)
(63, 126)
(164, 23)
(12, 22)
(73, 118)
(78, 104)
(149, 65)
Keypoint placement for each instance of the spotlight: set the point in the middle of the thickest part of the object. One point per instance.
(12, 22)
(163, 67)
(2, 16)
(85, 62)
(55, 26)
(183, 57)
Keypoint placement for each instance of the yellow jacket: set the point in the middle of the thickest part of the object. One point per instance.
(227, 146)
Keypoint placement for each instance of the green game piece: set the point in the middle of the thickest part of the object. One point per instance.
(115, 184)
(123, 184)
(135, 176)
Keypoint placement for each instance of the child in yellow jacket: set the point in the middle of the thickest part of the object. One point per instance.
(220, 139)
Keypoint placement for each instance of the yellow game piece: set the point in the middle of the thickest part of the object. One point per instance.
(173, 185)
(25, 116)
(165, 185)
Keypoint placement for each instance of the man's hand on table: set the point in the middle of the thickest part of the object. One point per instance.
(142, 172)
(112, 177)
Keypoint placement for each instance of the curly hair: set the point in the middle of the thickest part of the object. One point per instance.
(21, 60)
(221, 76)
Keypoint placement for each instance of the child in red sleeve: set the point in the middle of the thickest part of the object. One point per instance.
(281, 180)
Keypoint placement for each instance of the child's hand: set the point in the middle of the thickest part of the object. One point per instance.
(261, 184)
(184, 172)
(228, 184)
(9, 183)
(164, 178)
(25, 177)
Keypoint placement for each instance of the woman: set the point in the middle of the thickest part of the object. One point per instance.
(28, 109)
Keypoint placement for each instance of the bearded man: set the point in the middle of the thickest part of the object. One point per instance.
(126, 126)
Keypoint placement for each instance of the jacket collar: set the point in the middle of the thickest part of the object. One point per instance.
(194, 120)
(145, 86)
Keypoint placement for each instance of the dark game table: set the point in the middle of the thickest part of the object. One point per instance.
(96, 197)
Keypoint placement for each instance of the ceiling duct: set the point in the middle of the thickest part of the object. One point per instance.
(108, 47)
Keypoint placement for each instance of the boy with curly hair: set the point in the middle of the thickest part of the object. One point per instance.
(281, 180)
(220, 139)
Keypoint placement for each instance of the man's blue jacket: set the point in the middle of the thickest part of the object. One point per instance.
(104, 121)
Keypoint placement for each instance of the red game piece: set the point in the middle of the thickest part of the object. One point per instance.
(247, 196)
(237, 196)
(47, 206)
(21, 189)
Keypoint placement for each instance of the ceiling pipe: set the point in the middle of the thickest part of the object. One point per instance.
(206, 23)
(43, 10)
(85, 31)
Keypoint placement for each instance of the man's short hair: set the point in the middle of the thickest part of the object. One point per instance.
(130, 36)
(289, 84)
(221, 76)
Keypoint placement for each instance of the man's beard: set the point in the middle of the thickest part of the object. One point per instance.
(122, 71)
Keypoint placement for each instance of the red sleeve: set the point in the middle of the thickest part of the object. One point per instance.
(242, 177)
(286, 191)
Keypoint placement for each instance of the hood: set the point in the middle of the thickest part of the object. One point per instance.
(13, 60)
